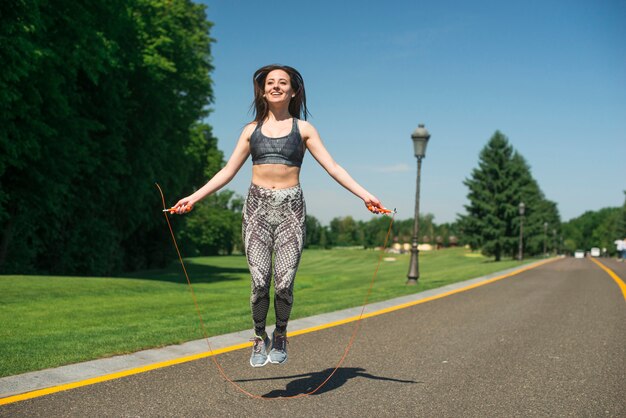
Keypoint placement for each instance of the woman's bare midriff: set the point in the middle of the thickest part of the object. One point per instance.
(275, 176)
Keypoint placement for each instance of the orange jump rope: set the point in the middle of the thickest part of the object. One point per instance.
(357, 323)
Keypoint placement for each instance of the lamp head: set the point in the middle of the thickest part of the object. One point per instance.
(420, 137)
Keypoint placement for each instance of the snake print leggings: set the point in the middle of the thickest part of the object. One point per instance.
(273, 224)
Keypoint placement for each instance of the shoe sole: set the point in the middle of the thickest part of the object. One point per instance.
(278, 362)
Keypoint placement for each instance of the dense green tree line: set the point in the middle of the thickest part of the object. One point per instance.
(595, 229)
(347, 232)
(497, 186)
(98, 100)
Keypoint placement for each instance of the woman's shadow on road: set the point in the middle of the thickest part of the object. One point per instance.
(308, 382)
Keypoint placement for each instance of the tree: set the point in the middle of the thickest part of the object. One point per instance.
(345, 232)
(97, 101)
(622, 223)
(541, 217)
(375, 232)
(491, 214)
(594, 229)
(501, 181)
(314, 232)
(215, 227)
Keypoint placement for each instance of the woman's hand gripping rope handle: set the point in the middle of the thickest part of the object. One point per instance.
(179, 210)
(381, 210)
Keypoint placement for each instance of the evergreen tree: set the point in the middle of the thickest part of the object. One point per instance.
(497, 186)
(541, 216)
(491, 222)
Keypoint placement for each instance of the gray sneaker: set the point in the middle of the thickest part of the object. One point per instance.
(278, 355)
(259, 351)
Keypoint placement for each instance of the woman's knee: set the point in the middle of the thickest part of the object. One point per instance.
(285, 294)
(259, 293)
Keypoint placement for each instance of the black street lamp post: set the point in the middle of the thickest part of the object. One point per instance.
(520, 252)
(420, 139)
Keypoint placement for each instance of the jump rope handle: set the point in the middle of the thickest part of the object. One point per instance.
(376, 210)
(172, 210)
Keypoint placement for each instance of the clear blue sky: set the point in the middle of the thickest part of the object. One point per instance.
(550, 75)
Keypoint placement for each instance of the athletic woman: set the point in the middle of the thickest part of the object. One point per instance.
(274, 211)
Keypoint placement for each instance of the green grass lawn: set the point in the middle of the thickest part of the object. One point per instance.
(48, 321)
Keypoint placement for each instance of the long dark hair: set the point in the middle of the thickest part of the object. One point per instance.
(297, 105)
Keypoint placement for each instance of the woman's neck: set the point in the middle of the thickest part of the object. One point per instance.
(277, 115)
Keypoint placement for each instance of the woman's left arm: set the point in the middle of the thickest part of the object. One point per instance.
(322, 156)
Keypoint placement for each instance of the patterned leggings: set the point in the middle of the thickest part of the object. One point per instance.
(273, 224)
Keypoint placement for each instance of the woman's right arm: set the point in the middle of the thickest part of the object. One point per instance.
(222, 177)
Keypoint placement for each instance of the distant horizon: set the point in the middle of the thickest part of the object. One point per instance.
(549, 76)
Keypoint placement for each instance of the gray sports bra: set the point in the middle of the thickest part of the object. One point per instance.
(287, 150)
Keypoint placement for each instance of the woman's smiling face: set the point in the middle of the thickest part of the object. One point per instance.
(278, 87)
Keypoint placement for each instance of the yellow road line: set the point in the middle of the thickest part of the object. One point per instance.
(111, 376)
(60, 388)
(614, 276)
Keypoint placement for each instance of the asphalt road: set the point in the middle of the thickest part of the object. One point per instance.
(547, 342)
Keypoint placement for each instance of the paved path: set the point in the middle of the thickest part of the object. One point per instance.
(547, 342)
